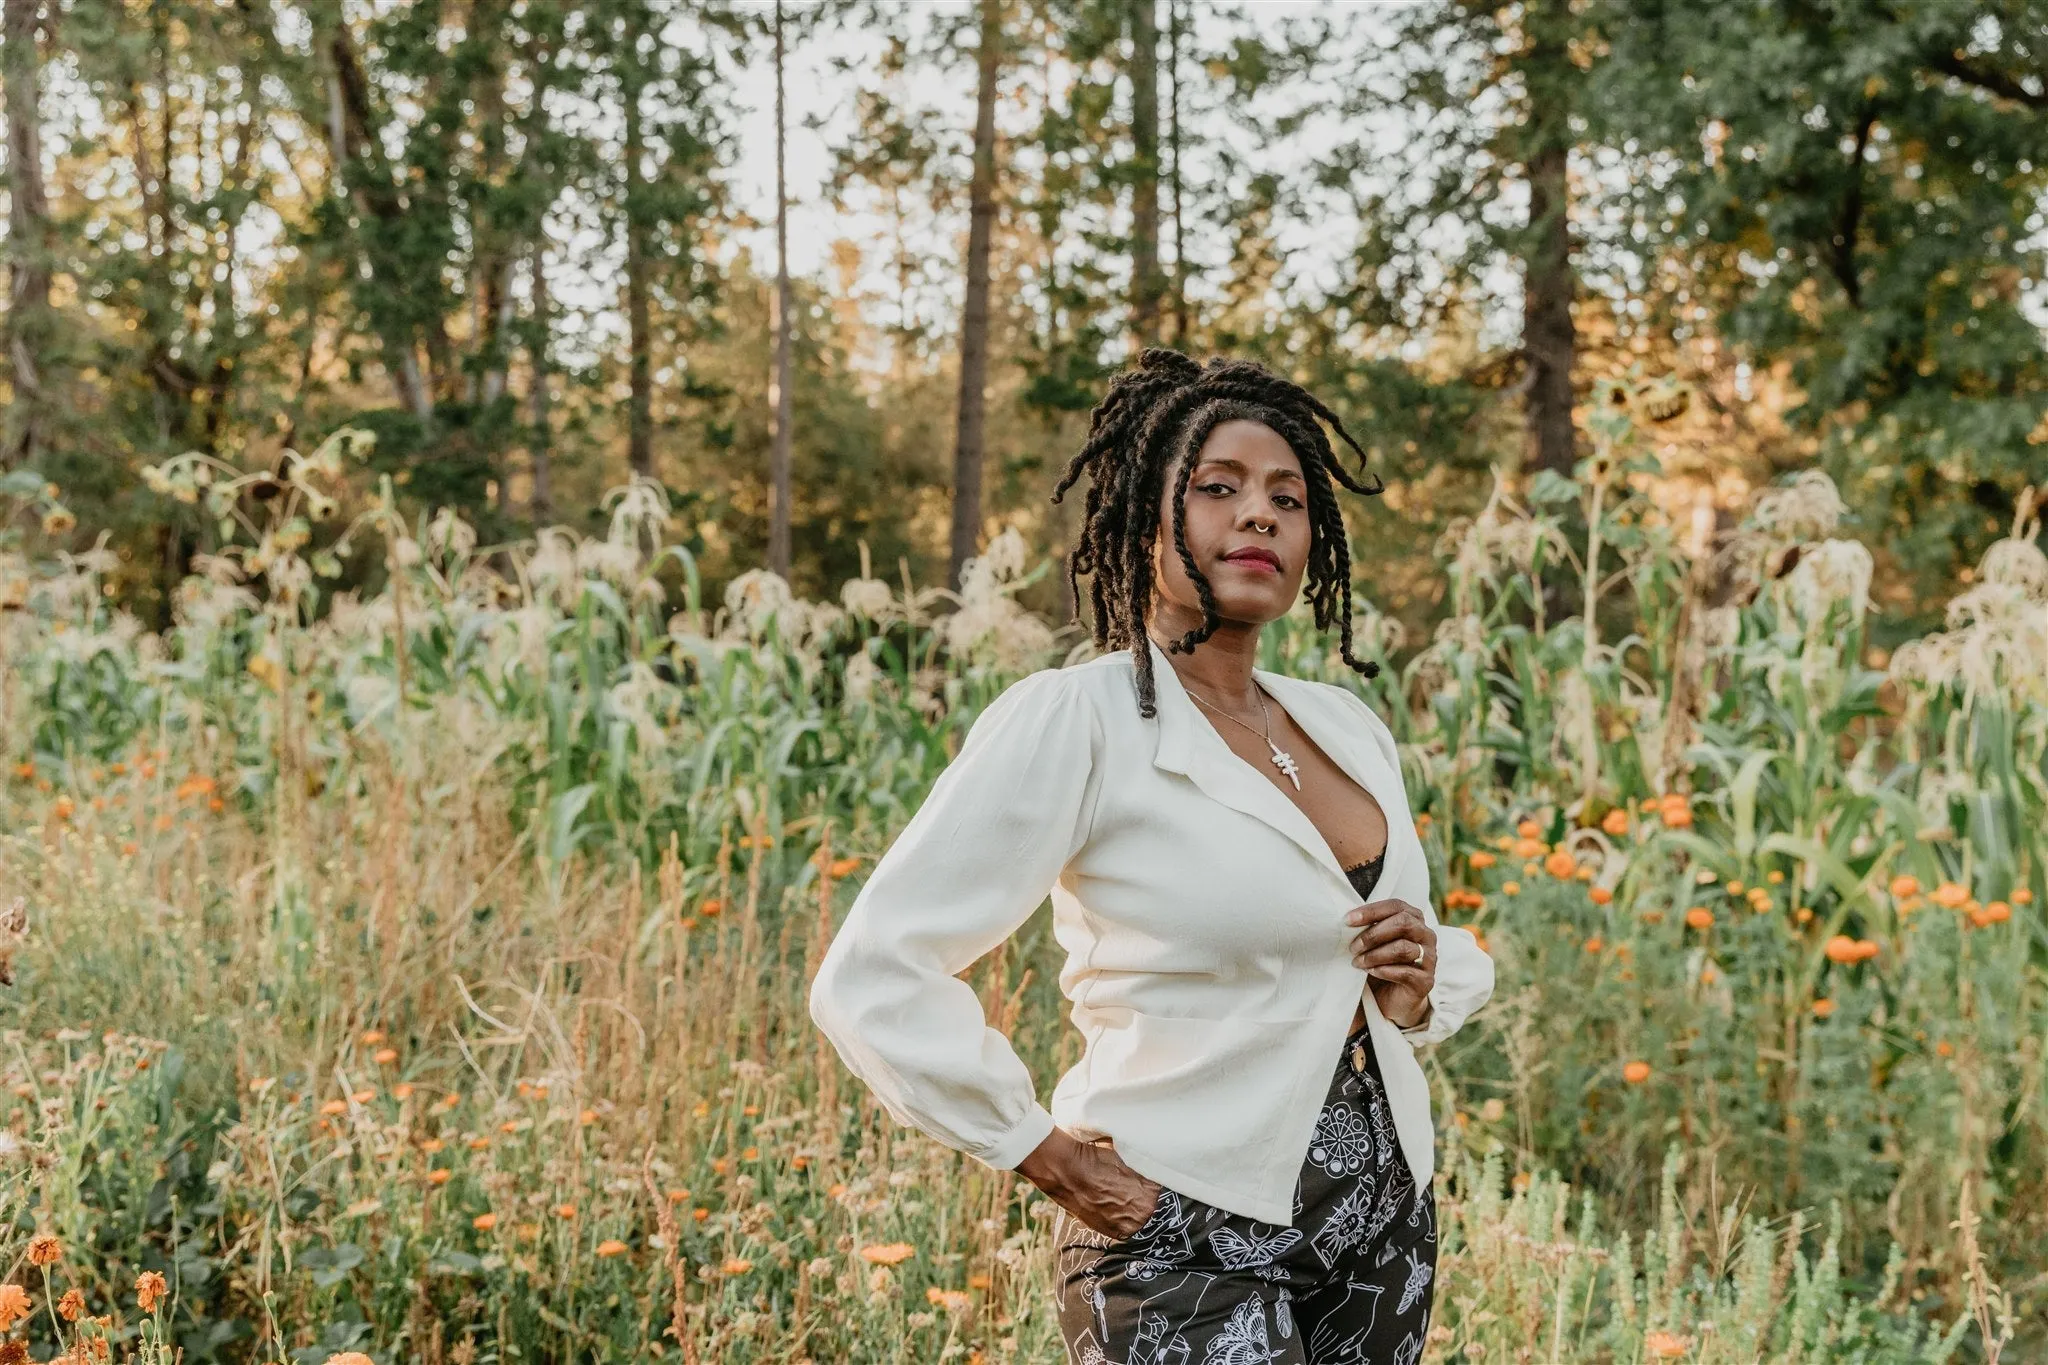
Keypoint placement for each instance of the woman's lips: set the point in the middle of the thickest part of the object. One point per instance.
(1254, 560)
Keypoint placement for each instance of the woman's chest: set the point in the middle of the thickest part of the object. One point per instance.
(1198, 882)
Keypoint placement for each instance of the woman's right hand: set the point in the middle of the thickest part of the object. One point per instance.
(1092, 1183)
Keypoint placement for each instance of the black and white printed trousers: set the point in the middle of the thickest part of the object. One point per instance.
(1348, 1282)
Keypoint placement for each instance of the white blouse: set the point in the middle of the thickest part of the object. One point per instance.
(1207, 958)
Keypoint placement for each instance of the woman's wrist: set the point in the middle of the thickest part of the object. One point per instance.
(1050, 1163)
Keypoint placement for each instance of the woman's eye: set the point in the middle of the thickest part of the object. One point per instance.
(1287, 500)
(1214, 484)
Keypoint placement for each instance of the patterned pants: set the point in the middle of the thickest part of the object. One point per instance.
(1348, 1282)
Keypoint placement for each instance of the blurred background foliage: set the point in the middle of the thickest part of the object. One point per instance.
(504, 236)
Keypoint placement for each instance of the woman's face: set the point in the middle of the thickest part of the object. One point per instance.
(1245, 496)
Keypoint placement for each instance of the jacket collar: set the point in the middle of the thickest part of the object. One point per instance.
(1189, 744)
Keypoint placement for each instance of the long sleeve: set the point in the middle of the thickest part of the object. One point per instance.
(979, 856)
(1464, 971)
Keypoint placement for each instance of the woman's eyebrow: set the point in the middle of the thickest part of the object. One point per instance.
(1238, 466)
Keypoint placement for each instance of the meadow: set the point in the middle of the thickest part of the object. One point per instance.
(418, 975)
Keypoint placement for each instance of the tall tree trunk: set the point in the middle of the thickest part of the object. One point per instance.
(28, 236)
(1147, 288)
(968, 442)
(1548, 337)
(1180, 259)
(350, 126)
(640, 411)
(496, 247)
(540, 499)
(778, 384)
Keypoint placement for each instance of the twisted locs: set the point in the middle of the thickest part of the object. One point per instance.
(1155, 412)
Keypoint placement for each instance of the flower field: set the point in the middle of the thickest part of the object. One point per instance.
(420, 974)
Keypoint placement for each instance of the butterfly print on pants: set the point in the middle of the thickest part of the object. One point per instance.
(1243, 1340)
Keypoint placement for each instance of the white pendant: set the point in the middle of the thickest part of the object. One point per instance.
(1284, 761)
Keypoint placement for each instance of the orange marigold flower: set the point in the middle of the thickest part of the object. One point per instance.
(439, 1177)
(484, 1222)
(1529, 829)
(402, 1091)
(195, 786)
(64, 808)
(611, 1246)
(1511, 888)
(711, 907)
(888, 1253)
(737, 1265)
(348, 1358)
(1903, 886)
(14, 1305)
(25, 771)
(1865, 949)
(371, 1037)
(1842, 948)
(1666, 1345)
(1951, 896)
(333, 1107)
(1635, 1073)
(1482, 859)
(979, 1280)
(1677, 816)
(841, 867)
(2023, 896)
(363, 1096)
(700, 1214)
(1595, 944)
(678, 1196)
(72, 1306)
(150, 1290)
(565, 1210)
(1560, 864)
(1945, 1048)
(1823, 1007)
(750, 1154)
(478, 1143)
(952, 1300)
(1997, 912)
(45, 1249)
(1599, 895)
(384, 1056)
(1615, 822)
(1528, 848)
(1699, 917)
(587, 1117)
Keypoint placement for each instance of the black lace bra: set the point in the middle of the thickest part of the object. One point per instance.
(1366, 875)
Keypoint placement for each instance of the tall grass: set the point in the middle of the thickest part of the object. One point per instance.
(422, 975)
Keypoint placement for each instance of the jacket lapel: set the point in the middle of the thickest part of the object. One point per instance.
(1189, 744)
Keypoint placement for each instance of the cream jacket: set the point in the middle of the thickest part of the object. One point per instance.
(1207, 958)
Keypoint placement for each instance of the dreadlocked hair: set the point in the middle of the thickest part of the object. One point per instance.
(1155, 412)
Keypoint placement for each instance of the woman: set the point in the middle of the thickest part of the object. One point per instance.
(1242, 1155)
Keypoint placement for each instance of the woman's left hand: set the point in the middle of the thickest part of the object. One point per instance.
(1385, 948)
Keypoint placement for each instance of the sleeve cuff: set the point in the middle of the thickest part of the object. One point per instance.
(1430, 1030)
(1009, 1150)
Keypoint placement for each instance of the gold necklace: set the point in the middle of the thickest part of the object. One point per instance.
(1282, 760)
